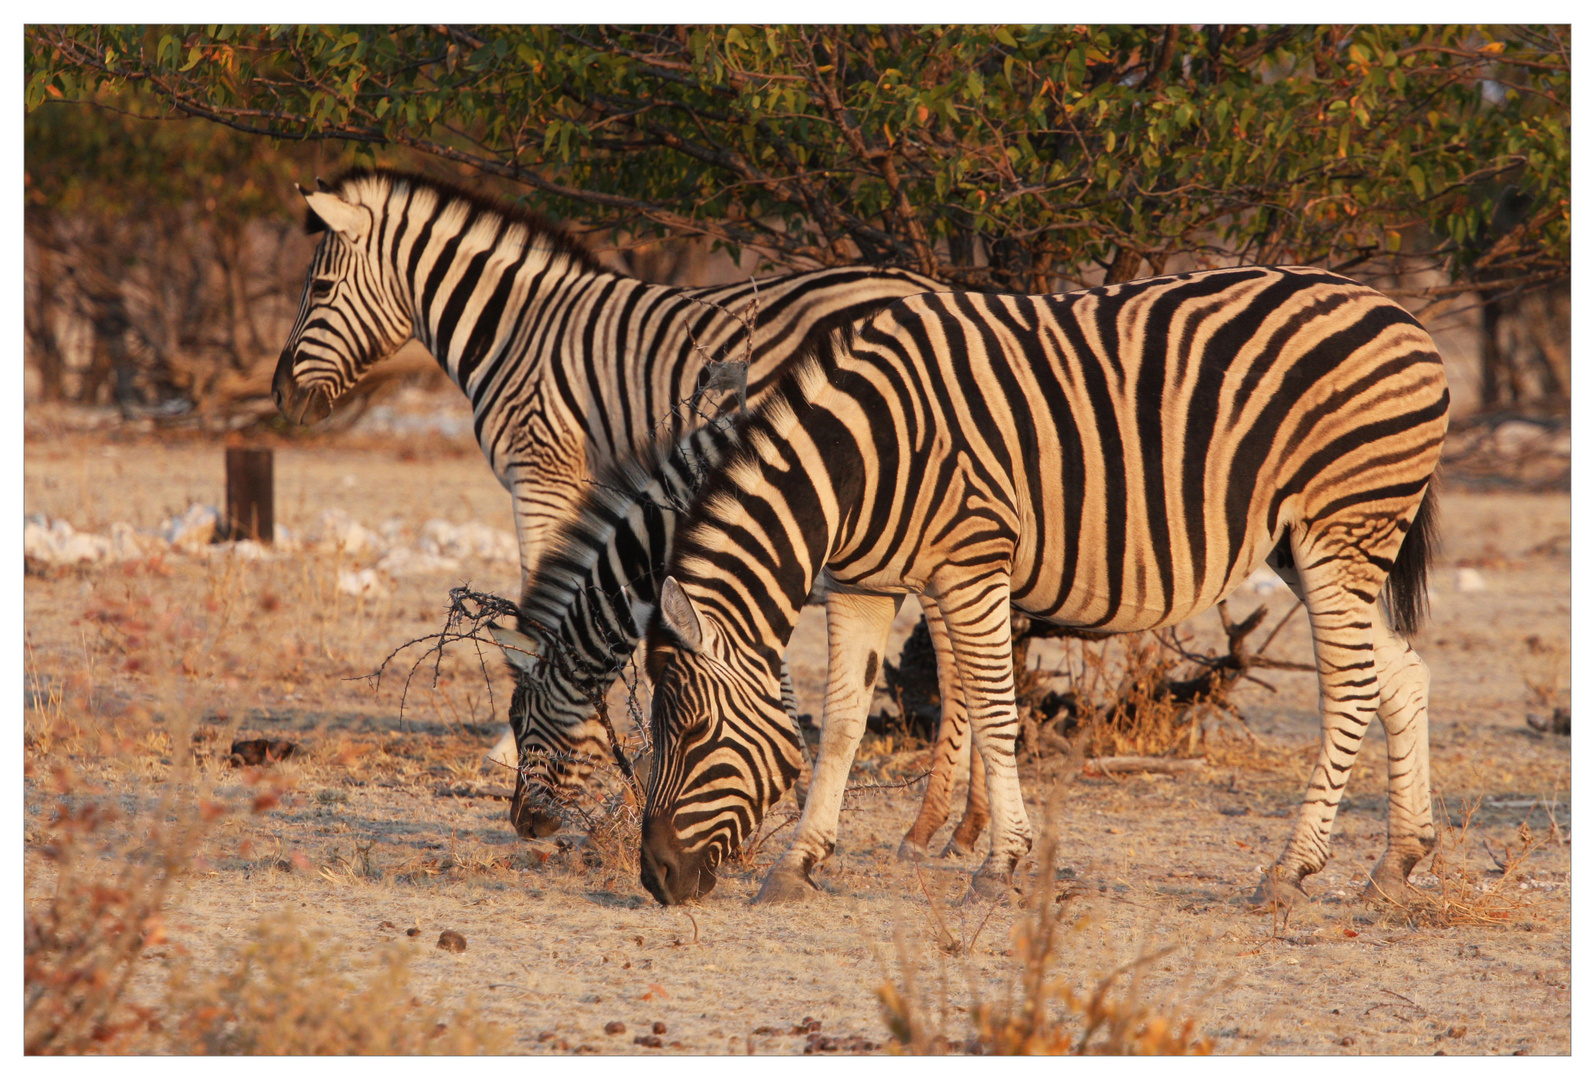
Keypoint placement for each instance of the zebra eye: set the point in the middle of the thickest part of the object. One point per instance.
(321, 288)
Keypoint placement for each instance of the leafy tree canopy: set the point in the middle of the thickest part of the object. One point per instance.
(991, 157)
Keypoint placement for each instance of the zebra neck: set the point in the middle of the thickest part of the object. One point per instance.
(482, 294)
(592, 596)
(765, 528)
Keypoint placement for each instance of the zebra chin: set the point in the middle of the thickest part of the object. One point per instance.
(298, 403)
(671, 874)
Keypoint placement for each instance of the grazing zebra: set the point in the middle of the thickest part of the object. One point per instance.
(1116, 459)
(568, 366)
(584, 610)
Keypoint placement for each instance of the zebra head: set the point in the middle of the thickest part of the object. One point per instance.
(351, 314)
(557, 740)
(725, 748)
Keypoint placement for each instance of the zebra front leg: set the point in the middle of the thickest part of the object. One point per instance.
(950, 761)
(1348, 690)
(1404, 711)
(856, 625)
(978, 622)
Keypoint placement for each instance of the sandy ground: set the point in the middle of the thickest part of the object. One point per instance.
(392, 820)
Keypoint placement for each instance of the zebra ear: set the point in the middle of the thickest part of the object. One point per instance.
(680, 615)
(519, 650)
(348, 220)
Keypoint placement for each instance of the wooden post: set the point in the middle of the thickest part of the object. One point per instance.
(249, 494)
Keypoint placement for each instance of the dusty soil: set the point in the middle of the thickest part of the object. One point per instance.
(394, 820)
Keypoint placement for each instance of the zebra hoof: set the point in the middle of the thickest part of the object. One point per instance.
(1282, 890)
(956, 849)
(911, 850)
(1388, 882)
(989, 886)
(785, 887)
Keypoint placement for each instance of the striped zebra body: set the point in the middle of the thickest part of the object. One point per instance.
(568, 366)
(1118, 459)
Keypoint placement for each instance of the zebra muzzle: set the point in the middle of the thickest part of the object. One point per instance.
(298, 403)
(669, 873)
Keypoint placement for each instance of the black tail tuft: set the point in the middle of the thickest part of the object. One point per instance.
(1407, 589)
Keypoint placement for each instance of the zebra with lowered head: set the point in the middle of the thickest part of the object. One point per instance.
(1116, 459)
(585, 609)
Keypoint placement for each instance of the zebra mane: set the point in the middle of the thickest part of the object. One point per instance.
(447, 192)
(577, 545)
(810, 365)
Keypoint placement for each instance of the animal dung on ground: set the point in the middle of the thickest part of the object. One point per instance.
(451, 941)
(614, 1027)
(659, 1027)
(414, 931)
(648, 1040)
(261, 751)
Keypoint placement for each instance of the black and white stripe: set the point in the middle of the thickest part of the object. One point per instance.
(1117, 459)
(568, 366)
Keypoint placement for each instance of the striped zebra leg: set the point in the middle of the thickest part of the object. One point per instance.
(1404, 710)
(856, 625)
(978, 622)
(977, 811)
(950, 761)
(1340, 588)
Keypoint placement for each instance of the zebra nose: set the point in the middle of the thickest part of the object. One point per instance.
(661, 863)
(282, 381)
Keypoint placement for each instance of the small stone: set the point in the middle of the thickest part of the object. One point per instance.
(1349, 1040)
(544, 1036)
(451, 941)
(1457, 1031)
(614, 1027)
(414, 931)
(386, 925)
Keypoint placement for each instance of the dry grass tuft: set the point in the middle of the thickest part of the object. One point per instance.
(284, 994)
(1039, 1014)
(1463, 897)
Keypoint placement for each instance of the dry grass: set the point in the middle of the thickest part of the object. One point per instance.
(284, 993)
(100, 881)
(1037, 1012)
(1464, 897)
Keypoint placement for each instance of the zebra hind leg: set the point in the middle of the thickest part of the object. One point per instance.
(1338, 586)
(950, 761)
(976, 812)
(977, 617)
(1404, 711)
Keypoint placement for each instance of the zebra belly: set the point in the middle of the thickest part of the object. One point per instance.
(1135, 591)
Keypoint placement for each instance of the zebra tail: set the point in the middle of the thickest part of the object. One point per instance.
(1407, 589)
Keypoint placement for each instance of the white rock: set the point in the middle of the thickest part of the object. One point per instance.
(128, 543)
(469, 540)
(58, 542)
(336, 531)
(403, 562)
(365, 582)
(1470, 580)
(193, 530)
(1263, 581)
